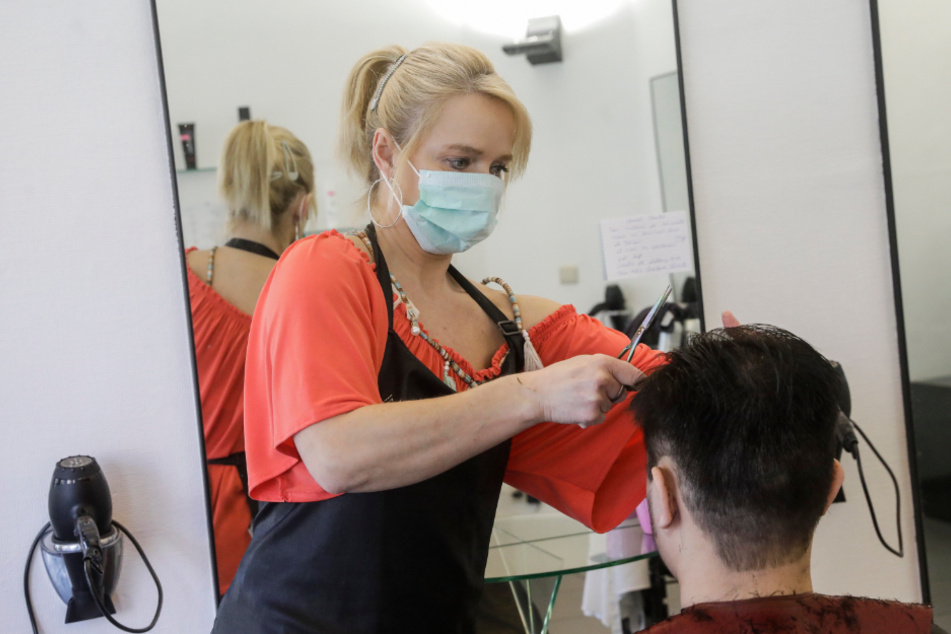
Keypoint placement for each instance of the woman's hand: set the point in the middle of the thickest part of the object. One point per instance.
(580, 390)
(729, 320)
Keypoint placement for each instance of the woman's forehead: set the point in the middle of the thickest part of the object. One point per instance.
(475, 123)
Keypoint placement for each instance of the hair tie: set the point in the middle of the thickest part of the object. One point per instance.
(379, 89)
(291, 172)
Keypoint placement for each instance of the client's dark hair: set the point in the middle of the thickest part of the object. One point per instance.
(748, 416)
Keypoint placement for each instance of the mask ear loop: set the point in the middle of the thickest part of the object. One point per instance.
(399, 198)
(416, 171)
(300, 219)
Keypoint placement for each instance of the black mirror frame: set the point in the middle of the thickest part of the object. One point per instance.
(184, 275)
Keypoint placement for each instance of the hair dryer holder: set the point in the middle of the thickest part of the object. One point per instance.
(64, 565)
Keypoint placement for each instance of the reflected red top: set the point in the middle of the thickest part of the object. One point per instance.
(221, 343)
(317, 345)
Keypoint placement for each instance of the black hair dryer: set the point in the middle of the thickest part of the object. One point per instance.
(82, 551)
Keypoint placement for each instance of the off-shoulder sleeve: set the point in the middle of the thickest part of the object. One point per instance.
(315, 349)
(595, 475)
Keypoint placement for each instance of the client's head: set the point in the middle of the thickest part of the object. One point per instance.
(739, 430)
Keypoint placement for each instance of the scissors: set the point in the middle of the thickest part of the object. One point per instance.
(636, 339)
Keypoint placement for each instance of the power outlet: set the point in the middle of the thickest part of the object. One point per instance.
(568, 274)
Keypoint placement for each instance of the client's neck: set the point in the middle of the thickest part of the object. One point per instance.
(709, 579)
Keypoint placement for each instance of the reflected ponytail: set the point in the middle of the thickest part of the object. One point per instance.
(256, 172)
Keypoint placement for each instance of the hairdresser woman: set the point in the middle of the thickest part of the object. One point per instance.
(266, 178)
(387, 396)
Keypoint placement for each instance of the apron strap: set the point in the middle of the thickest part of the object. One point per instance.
(508, 328)
(240, 462)
(252, 247)
(382, 272)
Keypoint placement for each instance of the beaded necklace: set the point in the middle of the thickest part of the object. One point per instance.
(211, 266)
(244, 245)
(412, 314)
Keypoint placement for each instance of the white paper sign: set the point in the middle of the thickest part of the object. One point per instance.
(638, 245)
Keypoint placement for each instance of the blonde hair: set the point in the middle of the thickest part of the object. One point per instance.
(412, 98)
(256, 173)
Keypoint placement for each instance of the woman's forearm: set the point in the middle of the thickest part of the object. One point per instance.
(390, 445)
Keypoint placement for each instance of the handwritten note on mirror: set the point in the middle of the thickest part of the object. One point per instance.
(638, 245)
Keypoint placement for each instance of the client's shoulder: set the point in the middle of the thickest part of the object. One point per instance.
(815, 612)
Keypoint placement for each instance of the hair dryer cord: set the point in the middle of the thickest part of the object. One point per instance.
(88, 565)
(99, 600)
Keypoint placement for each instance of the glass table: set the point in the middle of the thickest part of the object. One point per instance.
(535, 543)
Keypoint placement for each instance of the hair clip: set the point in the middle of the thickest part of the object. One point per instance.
(379, 89)
(291, 172)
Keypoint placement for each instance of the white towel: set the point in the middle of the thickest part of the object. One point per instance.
(604, 588)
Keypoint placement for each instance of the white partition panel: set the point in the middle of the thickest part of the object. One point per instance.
(95, 353)
(792, 229)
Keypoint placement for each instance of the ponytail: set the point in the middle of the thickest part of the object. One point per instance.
(357, 122)
(410, 89)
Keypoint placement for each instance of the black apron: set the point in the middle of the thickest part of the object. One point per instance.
(410, 559)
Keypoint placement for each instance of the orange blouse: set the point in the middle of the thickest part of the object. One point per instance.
(316, 346)
(221, 343)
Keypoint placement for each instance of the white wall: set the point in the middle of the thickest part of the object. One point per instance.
(593, 154)
(94, 344)
(916, 53)
(791, 225)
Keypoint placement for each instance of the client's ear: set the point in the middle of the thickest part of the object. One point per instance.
(838, 475)
(664, 499)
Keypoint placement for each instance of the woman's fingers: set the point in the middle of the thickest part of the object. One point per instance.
(597, 421)
(626, 374)
(729, 320)
(621, 395)
(582, 390)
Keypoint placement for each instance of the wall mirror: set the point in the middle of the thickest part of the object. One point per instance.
(595, 152)
(915, 53)
(607, 124)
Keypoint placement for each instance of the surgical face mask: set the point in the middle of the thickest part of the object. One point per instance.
(455, 210)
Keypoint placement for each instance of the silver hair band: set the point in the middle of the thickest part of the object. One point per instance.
(379, 89)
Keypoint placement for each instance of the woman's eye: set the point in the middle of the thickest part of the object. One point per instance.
(498, 170)
(459, 163)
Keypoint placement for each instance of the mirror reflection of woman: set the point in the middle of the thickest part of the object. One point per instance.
(387, 396)
(266, 178)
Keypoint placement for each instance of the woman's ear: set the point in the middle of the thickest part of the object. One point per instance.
(384, 148)
(838, 475)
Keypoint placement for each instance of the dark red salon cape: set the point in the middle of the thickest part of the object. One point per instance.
(801, 613)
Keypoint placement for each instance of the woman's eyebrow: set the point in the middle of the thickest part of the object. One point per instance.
(471, 151)
(475, 152)
(466, 149)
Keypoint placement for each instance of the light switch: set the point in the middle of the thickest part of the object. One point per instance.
(568, 274)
